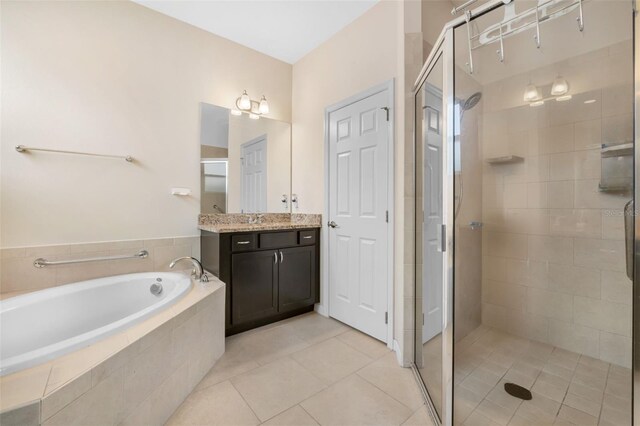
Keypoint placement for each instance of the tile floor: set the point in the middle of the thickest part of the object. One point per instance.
(309, 370)
(567, 388)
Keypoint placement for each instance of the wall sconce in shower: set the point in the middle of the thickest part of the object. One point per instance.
(244, 104)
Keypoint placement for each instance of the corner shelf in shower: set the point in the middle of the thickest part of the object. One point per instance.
(507, 159)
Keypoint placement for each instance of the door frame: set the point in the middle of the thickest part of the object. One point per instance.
(266, 148)
(323, 307)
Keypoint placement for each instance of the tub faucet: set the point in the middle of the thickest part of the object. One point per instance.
(198, 271)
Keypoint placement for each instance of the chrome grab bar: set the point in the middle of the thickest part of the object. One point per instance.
(41, 263)
(628, 237)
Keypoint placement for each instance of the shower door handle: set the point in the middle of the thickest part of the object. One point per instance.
(443, 239)
(628, 236)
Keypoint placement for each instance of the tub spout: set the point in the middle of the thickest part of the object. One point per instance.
(198, 271)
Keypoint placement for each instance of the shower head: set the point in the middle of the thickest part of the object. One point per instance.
(471, 101)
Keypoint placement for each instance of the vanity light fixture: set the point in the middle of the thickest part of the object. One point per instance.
(531, 93)
(559, 87)
(559, 92)
(244, 104)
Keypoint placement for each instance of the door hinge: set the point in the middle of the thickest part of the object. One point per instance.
(386, 216)
(386, 317)
(422, 319)
(386, 109)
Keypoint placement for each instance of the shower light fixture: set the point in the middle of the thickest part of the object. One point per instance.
(559, 87)
(244, 104)
(531, 93)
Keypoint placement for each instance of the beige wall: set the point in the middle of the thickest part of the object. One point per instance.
(115, 78)
(366, 53)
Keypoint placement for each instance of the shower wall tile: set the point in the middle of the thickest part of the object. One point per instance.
(615, 349)
(616, 287)
(575, 223)
(588, 134)
(550, 304)
(550, 249)
(604, 315)
(556, 139)
(515, 195)
(574, 337)
(603, 254)
(528, 273)
(19, 275)
(574, 280)
(560, 195)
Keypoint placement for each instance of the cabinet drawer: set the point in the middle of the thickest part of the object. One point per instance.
(307, 237)
(278, 239)
(243, 242)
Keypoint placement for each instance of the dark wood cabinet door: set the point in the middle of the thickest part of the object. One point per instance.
(297, 278)
(255, 286)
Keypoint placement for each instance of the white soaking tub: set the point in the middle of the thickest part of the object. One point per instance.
(40, 326)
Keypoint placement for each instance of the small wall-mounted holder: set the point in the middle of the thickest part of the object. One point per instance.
(294, 200)
(183, 192)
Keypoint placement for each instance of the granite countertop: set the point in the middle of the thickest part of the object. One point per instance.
(248, 227)
(237, 222)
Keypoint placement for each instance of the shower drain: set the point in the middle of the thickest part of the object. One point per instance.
(517, 391)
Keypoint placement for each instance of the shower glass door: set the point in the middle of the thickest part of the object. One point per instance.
(543, 172)
(429, 220)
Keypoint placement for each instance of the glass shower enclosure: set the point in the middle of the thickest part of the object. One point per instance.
(525, 220)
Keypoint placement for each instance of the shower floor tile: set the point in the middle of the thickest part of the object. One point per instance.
(567, 388)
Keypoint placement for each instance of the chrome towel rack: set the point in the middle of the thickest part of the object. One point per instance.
(22, 148)
(41, 263)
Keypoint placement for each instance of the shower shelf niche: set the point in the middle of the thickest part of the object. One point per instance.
(507, 159)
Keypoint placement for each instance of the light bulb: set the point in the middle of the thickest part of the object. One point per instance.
(559, 86)
(236, 112)
(254, 116)
(264, 106)
(531, 93)
(245, 101)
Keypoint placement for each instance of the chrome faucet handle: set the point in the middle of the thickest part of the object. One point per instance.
(198, 271)
(259, 218)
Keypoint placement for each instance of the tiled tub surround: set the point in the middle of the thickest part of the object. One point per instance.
(139, 376)
(18, 274)
(239, 222)
(553, 244)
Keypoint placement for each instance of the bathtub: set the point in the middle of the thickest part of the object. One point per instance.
(40, 326)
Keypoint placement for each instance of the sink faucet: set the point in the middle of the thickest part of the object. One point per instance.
(198, 271)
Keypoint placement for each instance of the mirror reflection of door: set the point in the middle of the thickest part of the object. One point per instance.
(432, 215)
(254, 175)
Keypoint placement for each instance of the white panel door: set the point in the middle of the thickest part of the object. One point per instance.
(358, 185)
(254, 176)
(432, 214)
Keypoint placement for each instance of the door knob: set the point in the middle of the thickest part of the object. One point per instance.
(333, 224)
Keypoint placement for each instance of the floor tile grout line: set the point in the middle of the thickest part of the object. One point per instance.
(246, 402)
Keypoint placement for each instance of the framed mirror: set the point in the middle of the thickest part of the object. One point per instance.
(245, 163)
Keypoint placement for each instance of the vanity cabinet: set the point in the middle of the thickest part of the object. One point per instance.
(270, 275)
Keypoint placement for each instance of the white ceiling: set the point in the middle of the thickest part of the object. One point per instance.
(284, 29)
